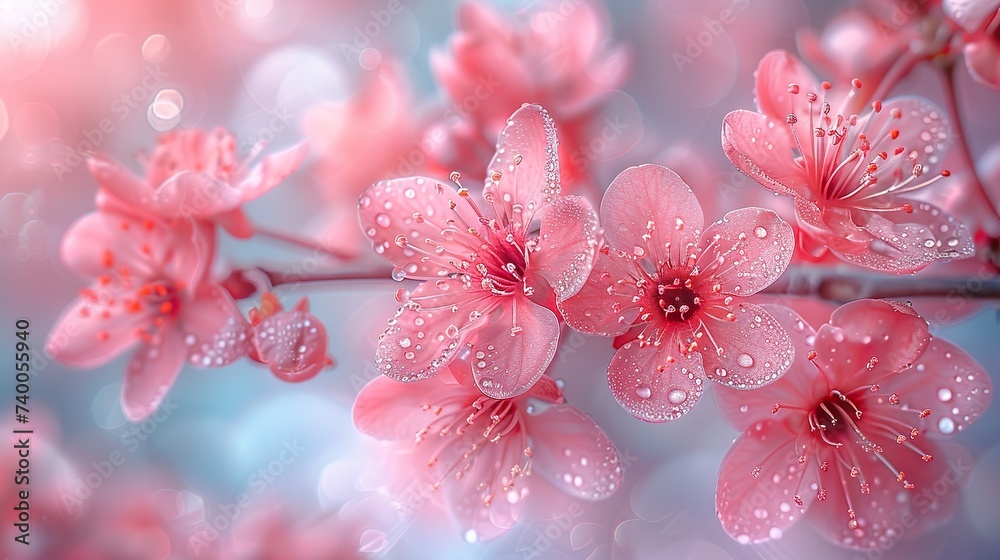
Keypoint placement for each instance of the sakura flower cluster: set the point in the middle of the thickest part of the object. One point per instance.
(149, 249)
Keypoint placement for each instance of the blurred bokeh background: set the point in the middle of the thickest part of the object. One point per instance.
(355, 78)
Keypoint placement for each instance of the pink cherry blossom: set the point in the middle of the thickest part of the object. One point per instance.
(151, 293)
(554, 54)
(847, 439)
(194, 174)
(292, 343)
(489, 280)
(682, 292)
(981, 44)
(847, 174)
(488, 456)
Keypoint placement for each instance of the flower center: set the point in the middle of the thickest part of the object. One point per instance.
(678, 302)
(852, 164)
(491, 422)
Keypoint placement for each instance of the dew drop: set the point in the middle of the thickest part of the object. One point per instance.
(643, 392)
(745, 360)
(944, 394)
(946, 425)
(760, 232)
(404, 342)
(677, 396)
(398, 274)
(382, 220)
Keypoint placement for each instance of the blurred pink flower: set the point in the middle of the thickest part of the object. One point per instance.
(150, 289)
(487, 455)
(857, 44)
(841, 439)
(490, 283)
(277, 533)
(195, 174)
(980, 21)
(373, 135)
(682, 291)
(554, 54)
(292, 343)
(848, 185)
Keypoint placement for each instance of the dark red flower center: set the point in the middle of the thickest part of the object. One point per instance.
(678, 302)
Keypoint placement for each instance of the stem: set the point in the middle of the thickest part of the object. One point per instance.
(818, 281)
(951, 104)
(294, 278)
(831, 285)
(303, 242)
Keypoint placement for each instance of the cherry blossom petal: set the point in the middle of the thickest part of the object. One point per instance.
(776, 70)
(292, 344)
(764, 151)
(752, 247)
(528, 163)
(272, 170)
(918, 126)
(603, 304)
(970, 14)
(390, 410)
(418, 211)
(875, 242)
(761, 484)
(573, 452)
(94, 331)
(948, 381)
(881, 514)
(191, 194)
(514, 347)
(655, 384)
(215, 332)
(236, 223)
(650, 211)
(747, 353)
(101, 242)
(867, 340)
(799, 384)
(567, 244)
(121, 183)
(465, 496)
(429, 329)
(150, 373)
(983, 61)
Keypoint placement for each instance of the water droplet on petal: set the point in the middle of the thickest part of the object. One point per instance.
(643, 392)
(760, 232)
(745, 360)
(944, 394)
(946, 425)
(382, 220)
(677, 396)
